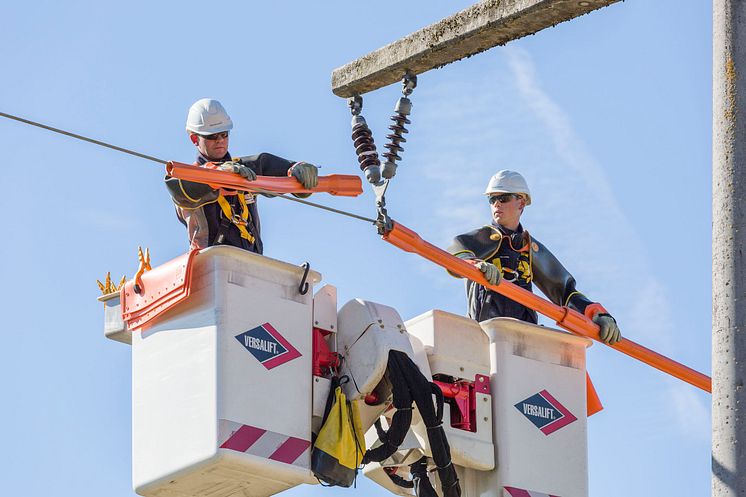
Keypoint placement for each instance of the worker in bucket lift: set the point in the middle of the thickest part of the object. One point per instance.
(221, 216)
(504, 250)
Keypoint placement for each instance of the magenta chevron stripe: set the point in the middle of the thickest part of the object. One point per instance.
(263, 443)
(290, 450)
(519, 492)
(244, 438)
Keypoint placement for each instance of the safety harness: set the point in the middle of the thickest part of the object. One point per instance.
(230, 217)
(514, 263)
(410, 385)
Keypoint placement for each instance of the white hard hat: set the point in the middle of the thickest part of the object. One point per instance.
(509, 182)
(208, 116)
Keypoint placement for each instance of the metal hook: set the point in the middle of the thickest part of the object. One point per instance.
(303, 287)
(355, 104)
(409, 83)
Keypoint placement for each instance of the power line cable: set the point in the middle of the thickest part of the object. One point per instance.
(84, 138)
(319, 206)
(161, 161)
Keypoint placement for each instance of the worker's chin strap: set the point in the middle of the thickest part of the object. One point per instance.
(410, 385)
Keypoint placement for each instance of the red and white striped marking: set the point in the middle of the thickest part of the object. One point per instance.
(519, 492)
(263, 443)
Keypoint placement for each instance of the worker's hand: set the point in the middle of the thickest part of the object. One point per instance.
(491, 273)
(306, 173)
(235, 167)
(609, 331)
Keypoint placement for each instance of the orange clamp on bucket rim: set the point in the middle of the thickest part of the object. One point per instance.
(402, 237)
(343, 185)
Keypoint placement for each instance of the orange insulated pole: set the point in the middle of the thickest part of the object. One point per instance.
(409, 241)
(335, 184)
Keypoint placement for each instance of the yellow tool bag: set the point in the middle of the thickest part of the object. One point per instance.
(340, 446)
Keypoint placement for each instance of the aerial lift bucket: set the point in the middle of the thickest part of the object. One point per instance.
(521, 427)
(227, 391)
(221, 383)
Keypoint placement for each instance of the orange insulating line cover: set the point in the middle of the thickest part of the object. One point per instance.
(336, 184)
(406, 239)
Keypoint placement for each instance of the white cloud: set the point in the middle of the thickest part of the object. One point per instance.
(692, 413)
(650, 316)
(568, 146)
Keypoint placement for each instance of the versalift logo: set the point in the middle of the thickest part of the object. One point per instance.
(268, 346)
(545, 412)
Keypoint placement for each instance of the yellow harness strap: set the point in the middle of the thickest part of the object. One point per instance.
(240, 221)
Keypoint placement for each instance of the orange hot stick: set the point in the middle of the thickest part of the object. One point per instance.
(409, 241)
(335, 184)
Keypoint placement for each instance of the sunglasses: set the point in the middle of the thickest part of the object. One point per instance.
(216, 136)
(502, 198)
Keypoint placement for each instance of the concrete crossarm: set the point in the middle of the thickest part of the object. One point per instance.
(473, 30)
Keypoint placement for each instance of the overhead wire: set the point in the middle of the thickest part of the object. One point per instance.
(164, 162)
(84, 138)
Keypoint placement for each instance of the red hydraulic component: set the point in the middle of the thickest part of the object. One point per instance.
(569, 319)
(335, 184)
(461, 395)
(324, 360)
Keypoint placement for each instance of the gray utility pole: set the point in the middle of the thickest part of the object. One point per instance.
(728, 237)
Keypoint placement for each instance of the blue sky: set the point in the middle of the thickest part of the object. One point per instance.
(608, 117)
